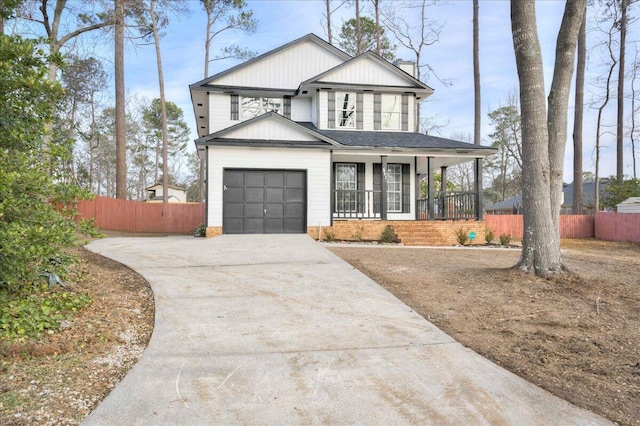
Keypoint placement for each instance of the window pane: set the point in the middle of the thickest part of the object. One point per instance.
(394, 187)
(346, 184)
(249, 107)
(254, 106)
(272, 104)
(345, 109)
(391, 111)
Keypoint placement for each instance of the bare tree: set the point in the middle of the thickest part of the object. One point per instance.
(76, 17)
(542, 131)
(613, 61)
(149, 24)
(376, 12)
(414, 38)
(223, 16)
(578, 116)
(358, 29)
(621, 69)
(121, 140)
(327, 16)
(477, 112)
(632, 130)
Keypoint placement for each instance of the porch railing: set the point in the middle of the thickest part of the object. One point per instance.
(356, 204)
(450, 205)
(366, 204)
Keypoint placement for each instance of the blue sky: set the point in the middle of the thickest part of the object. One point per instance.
(282, 21)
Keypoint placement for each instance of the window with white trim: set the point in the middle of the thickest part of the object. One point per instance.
(254, 106)
(391, 111)
(346, 185)
(394, 188)
(346, 110)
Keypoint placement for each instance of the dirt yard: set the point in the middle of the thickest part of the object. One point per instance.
(578, 337)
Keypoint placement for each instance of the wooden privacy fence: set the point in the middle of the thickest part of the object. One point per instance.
(136, 216)
(618, 226)
(571, 226)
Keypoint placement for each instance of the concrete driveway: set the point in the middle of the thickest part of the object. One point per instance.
(275, 329)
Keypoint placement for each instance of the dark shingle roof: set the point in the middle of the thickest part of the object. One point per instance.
(378, 139)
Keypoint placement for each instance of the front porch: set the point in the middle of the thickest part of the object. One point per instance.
(400, 187)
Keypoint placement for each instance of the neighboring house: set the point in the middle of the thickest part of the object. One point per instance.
(513, 205)
(630, 205)
(305, 135)
(175, 194)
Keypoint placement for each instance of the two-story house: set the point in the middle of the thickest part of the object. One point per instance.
(306, 138)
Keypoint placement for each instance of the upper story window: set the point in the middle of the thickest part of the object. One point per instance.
(254, 106)
(391, 112)
(346, 110)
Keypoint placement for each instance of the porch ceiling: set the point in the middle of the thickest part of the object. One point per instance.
(440, 159)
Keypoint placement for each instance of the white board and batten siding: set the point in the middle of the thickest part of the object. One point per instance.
(220, 112)
(269, 129)
(285, 69)
(366, 71)
(301, 109)
(316, 162)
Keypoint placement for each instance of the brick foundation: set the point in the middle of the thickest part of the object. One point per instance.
(214, 231)
(410, 233)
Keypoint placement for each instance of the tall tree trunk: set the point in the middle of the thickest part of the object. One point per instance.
(559, 100)
(541, 242)
(358, 30)
(578, 116)
(327, 3)
(163, 106)
(477, 116)
(207, 43)
(376, 6)
(620, 121)
(632, 131)
(121, 135)
(607, 97)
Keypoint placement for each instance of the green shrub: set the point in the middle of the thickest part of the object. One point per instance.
(488, 235)
(505, 239)
(25, 317)
(329, 235)
(357, 235)
(462, 236)
(389, 235)
(201, 231)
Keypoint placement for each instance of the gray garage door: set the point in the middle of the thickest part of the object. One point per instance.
(264, 202)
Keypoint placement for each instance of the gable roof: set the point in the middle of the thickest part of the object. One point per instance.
(202, 84)
(335, 76)
(305, 138)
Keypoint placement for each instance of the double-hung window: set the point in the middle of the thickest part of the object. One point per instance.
(346, 110)
(254, 106)
(346, 186)
(394, 188)
(391, 111)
